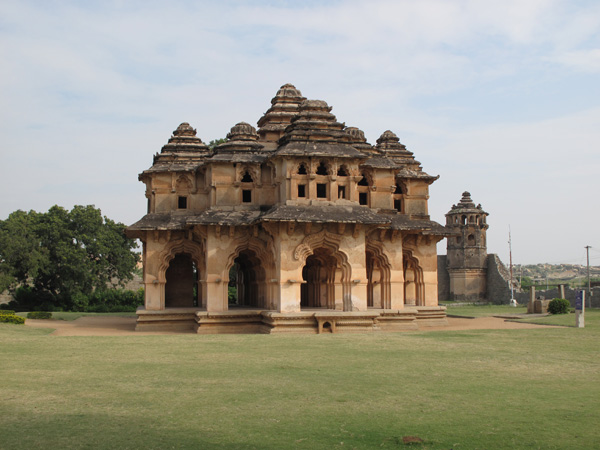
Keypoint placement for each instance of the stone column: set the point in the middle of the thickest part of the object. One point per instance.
(531, 304)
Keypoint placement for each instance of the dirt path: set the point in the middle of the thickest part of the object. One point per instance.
(123, 326)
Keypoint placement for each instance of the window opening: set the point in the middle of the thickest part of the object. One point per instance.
(246, 196)
(322, 169)
(301, 190)
(398, 189)
(398, 205)
(321, 190)
(342, 172)
(363, 181)
(302, 169)
(341, 191)
(247, 178)
(182, 202)
(362, 198)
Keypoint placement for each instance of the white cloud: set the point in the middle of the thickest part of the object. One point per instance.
(90, 92)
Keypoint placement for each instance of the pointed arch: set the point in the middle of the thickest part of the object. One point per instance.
(337, 274)
(187, 255)
(378, 275)
(257, 263)
(414, 287)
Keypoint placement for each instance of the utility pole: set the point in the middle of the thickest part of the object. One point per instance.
(512, 286)
(589, 290)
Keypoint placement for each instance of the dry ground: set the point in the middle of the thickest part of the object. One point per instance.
(121, 326)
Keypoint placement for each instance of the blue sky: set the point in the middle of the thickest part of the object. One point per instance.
(500, 98)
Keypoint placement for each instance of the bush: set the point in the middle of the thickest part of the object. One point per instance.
(105, 300)
(559, 306)
(11, 318)
(39, 315)
(7, 311)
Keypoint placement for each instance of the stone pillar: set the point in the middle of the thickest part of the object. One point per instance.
(561, 291)
(531, 304)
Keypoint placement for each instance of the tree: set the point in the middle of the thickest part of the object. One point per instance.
(64, 255)
(212, 144)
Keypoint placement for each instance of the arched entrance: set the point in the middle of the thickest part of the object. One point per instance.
(322, 280)
(181, 288)
(378, 279)
(413, 281)
(247, 284)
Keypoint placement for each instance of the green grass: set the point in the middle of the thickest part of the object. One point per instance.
(67, 315)
(591, 319)
(497, 389)
(484, 310)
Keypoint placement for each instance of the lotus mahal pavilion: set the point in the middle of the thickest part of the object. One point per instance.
(299, 225)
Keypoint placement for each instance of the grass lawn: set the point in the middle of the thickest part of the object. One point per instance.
(67, 315)
(484, 310)
(497, 389)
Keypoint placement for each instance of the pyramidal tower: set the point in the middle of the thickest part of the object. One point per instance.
(467, 250)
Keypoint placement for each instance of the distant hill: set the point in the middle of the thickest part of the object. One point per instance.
(564, 272)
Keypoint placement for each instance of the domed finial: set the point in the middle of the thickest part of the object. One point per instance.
(184, 129)
(387, 137)
(287, 90)
(242, 131)
(357, 134)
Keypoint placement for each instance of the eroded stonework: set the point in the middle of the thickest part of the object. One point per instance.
(323, 231)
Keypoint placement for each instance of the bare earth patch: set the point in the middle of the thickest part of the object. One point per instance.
(122, 326)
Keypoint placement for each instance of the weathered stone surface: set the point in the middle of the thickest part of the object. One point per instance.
(301, 215)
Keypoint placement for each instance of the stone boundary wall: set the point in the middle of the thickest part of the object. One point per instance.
(523, 297)
(498, 281)
(443, 278)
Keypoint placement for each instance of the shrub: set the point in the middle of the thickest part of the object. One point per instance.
(7, 311)
(559, 306)
(11, 318)
(39, 315)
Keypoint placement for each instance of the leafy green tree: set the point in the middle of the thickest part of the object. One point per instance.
(64, 255)
(212, 144)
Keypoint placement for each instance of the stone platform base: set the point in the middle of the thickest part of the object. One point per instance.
(316, 321)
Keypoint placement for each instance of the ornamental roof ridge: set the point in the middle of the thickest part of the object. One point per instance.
(284, 106)
(184, 139)
(466, 205)
(359, 141)
(241, 138)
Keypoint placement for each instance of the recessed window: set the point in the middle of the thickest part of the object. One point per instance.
(363, 181)
(321, 190)
(246, 196)
(301, 190)
(247, 178)
(322, 169)
(341, 191)
(302, 169)
(342, 172)
(398, 205)
(182, 202)
(362, 198)
(398, 189)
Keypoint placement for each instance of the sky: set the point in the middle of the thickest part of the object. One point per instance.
(499, 98)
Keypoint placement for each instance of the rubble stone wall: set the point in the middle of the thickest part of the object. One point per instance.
(443, 278)
(498, 281)
(570, 294)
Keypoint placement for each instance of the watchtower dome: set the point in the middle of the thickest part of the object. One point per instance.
(467, 250)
